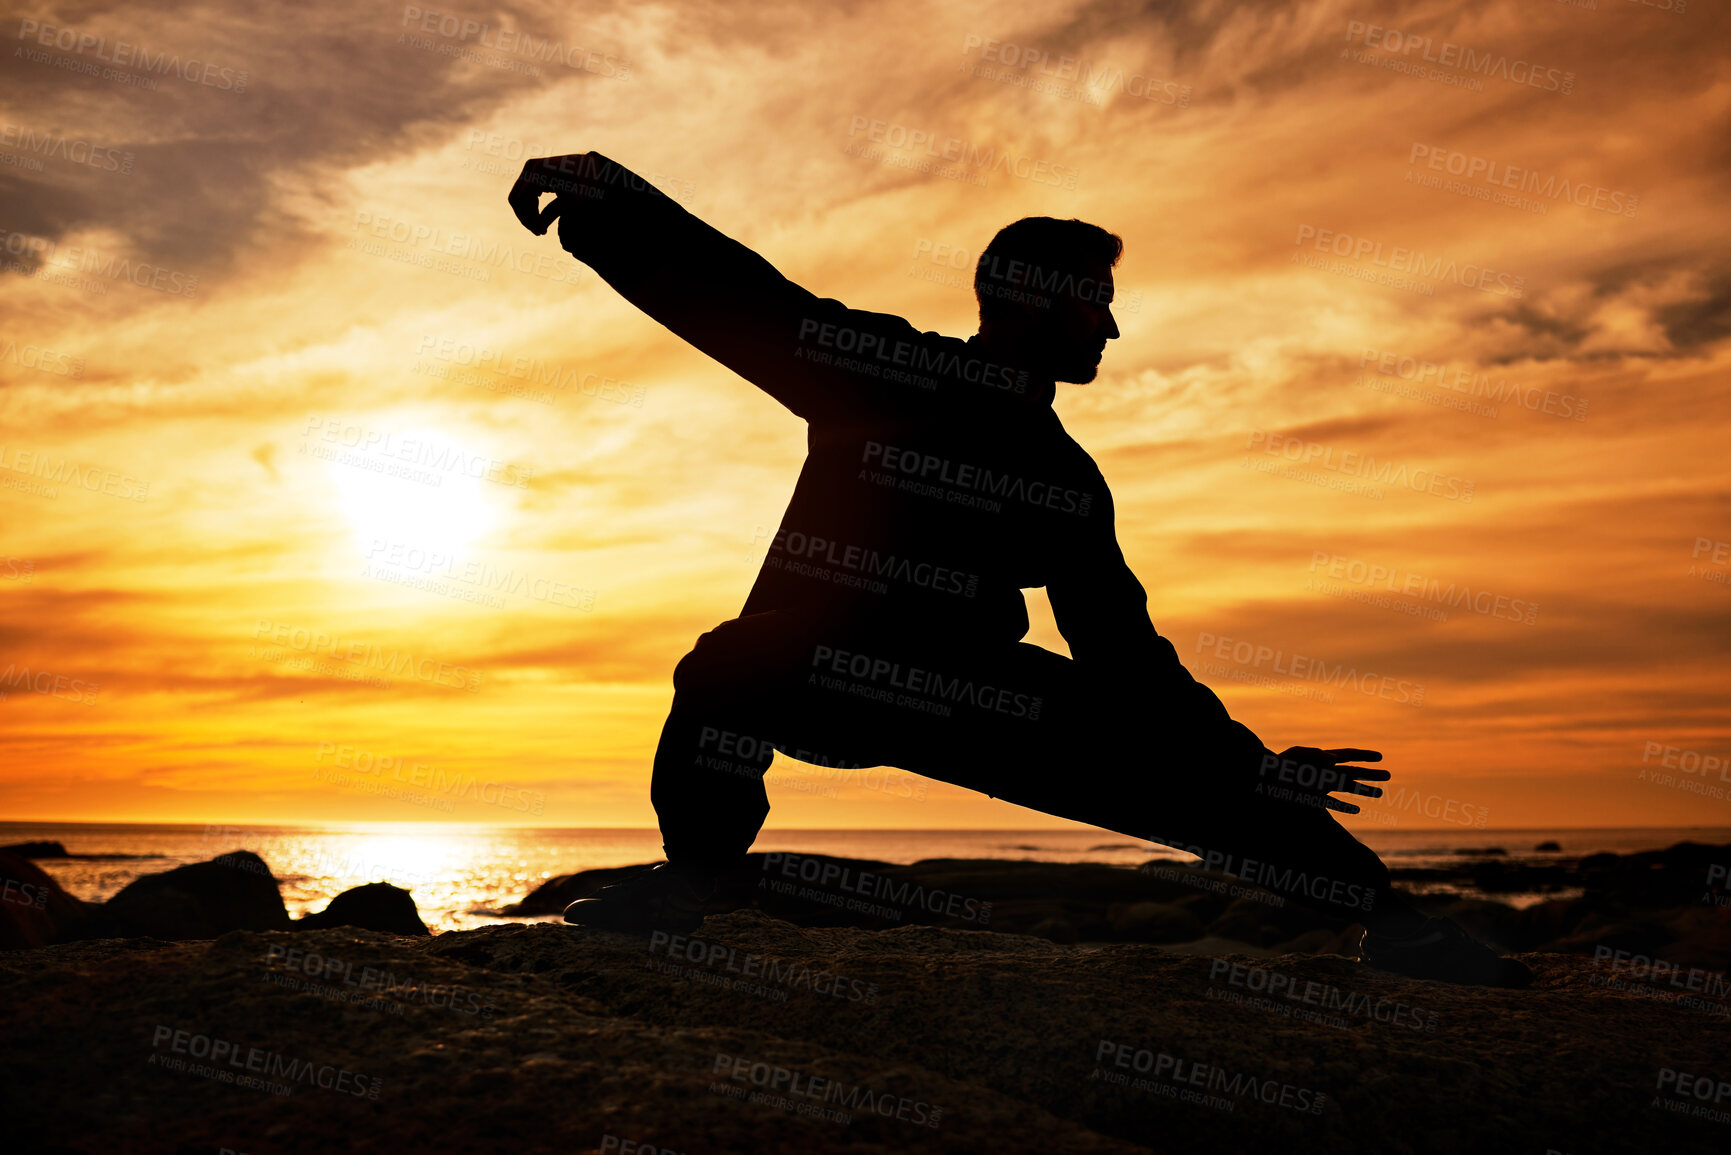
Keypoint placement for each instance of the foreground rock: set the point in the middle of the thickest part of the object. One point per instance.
(1671, 904)
(551, 1038)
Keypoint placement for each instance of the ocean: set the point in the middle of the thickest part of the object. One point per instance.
(460, 875)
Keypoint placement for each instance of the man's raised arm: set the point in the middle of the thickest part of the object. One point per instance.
(707, 288)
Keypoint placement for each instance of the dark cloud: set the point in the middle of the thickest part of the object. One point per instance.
(328, 86)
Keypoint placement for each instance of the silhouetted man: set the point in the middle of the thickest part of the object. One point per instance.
(885, 625)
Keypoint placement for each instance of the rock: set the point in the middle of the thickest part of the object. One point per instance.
(549, 1038)
(554, 895)
(1548, 846)
(230, 892)
(35, 850)
(376, 906)
(1157, 922)
(34, 910)
(1056, 930)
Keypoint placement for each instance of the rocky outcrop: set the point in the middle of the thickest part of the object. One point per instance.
(376, 906)
(1672, 903)
(230, 892)
(759, 1035)
(35, 850)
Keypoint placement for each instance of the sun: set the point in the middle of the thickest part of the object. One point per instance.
(419, 489)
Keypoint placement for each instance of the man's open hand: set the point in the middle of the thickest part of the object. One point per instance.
(1307, 776)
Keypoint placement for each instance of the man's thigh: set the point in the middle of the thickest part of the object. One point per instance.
(980, 717)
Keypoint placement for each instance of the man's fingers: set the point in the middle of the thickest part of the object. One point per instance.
(1337, 804)
(539, 176)
(1352, 755)
(549, 215)
(1365, 773)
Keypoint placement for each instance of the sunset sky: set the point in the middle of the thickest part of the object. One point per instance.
(259, 267)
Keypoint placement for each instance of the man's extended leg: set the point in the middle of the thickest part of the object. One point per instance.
(1016, 722)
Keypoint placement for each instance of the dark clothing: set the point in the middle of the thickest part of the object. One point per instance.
(939, 485)
(1010, 720)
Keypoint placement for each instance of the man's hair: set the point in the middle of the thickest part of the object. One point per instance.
(1039, 258)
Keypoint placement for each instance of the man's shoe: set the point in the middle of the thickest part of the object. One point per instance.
(666, 897)
(1441, 950)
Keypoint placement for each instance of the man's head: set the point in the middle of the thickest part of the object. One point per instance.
(1045, 291)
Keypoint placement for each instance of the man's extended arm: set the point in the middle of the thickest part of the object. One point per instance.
(707, 288)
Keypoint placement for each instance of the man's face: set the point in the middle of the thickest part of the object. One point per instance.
(1075, 327)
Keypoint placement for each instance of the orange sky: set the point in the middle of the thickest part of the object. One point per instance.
(1423, 384)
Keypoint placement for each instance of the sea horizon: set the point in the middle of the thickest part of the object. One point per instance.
(462, 874)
